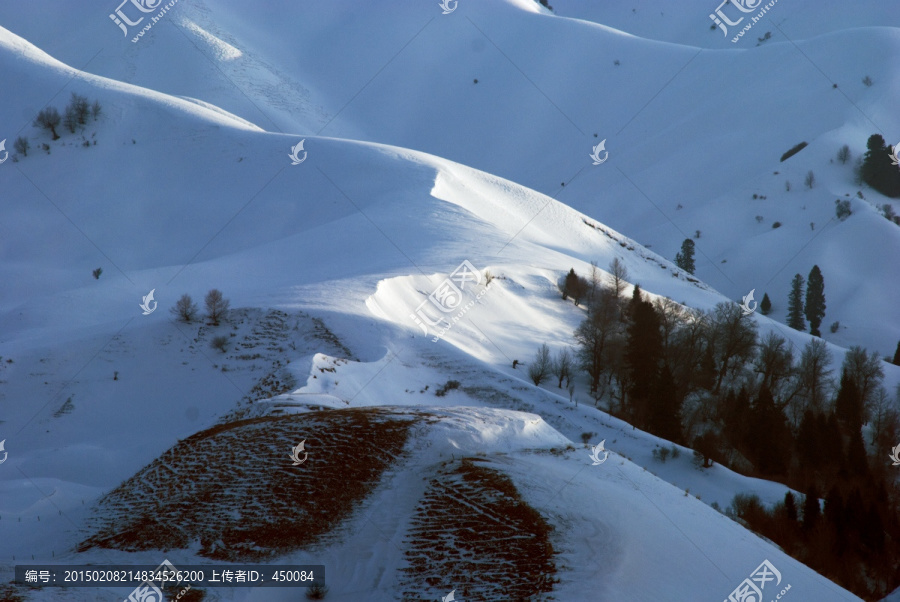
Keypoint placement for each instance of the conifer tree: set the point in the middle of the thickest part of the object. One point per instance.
(896, 360)
(815, 300)
(765, 306)
(665, 411)
(811, 509)
(857, 460)
(642, 355)
(790, 507)
(685, 258)
(768, 445)
(795, 304)
(848, 405)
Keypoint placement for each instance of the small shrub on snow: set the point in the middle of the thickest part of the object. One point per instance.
(219, 343)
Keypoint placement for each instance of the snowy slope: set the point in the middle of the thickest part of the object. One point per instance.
(406, 71)
(180, 196)
(407, 77)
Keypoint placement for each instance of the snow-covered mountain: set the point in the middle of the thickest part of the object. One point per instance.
(430, 139)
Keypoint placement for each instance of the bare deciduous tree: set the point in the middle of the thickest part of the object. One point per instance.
(866, 371)
(21, 145)
(733, 339)
(540, 366)
(216, 306)
(49, 119)
(592, 335)
(843, 154)
(813, 374)
(185, 309)
(562, 366)
(619, 274)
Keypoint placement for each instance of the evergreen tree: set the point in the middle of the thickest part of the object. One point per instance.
(831, 441)
(765, 306)
(735, 417)
(790, 507)
(642, 355)
(569, 283)
(707, 377)
(808, 443)
(815, 300)
(770, 435)
(665, 412)
(857, 461)
(685, 258)
(835, 516)
(877, 170)
(795, 304)
(811, 509)
(848, 405)
(871, 529)
(896, 361)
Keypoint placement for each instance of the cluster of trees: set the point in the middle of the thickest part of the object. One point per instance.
(216, 305)
(678, 372)
(813, 309)
(76, 115)
(544, 365)
(708, 379)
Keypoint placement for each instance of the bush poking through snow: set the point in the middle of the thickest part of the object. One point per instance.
(219, 343)
(661, 454)
(842, 209)
(97, 273)
(448, 386)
